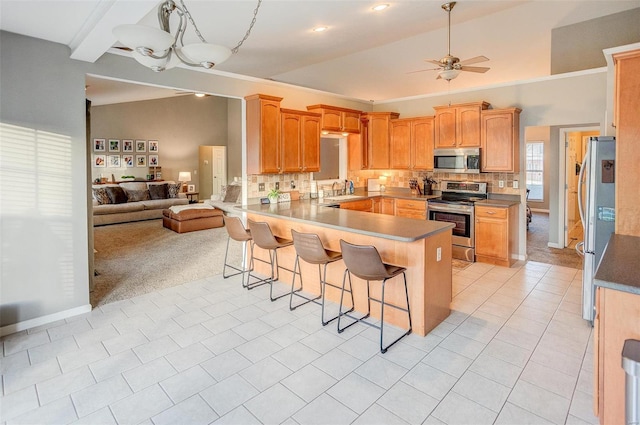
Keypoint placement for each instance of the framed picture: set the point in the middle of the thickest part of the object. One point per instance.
(114, 145)
(114, 161)
(127, 145)
(153, 146)
(153, 160)
(191, 188)
(127, 161)
(100, 161)
(99, 145)
(141, 160)
(141, 145)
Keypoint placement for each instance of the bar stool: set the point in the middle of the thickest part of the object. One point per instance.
(310, 249)
(364, 262)
(237, 232)
(264, 238)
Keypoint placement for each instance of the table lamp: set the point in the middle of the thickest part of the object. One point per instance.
(184, 177)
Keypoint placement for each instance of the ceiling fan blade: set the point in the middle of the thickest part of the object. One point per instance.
(433, 61)
(423, 70)
(480, 69)
(471, 61)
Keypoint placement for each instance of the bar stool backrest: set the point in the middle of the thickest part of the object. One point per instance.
(262, 235)
(364, 261)
(236, 229)
(309, 247)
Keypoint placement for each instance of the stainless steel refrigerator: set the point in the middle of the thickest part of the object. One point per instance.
(596, 201)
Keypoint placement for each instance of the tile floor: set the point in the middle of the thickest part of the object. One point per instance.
(513, 351)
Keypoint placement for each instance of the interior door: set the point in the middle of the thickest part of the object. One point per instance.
(572, 167)
(219, 172)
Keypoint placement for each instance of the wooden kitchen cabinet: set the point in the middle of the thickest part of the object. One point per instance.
(263, 134)
(412, 143)
(496, 231)
(300, 141)
(358, 205)
(377, 137)
(458, 126)
(500, 140)
(411, 208)
(336, 119)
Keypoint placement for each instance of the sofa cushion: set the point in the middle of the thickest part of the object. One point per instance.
(173, 189)
(118, 208)
(133, 186)
(158, 191)
(116, 195)
(232, 193)
(137, 195)
(155, 204)
(100, 195)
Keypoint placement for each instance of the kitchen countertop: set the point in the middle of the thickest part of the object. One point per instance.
(366, 223)
(618, 268)
(498, 203)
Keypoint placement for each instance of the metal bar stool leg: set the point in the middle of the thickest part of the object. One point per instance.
(384, 349)
(323, 290)
(297, 269)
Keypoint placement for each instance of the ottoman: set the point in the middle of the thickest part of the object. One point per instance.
(191, 218)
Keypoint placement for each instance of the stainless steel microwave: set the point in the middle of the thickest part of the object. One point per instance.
(460, 160)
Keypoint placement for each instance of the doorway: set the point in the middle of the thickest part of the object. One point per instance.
(213, 170)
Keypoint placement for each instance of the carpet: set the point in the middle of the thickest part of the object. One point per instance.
(538, 250)
(137, 258)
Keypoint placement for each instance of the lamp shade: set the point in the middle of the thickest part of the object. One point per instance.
(136, 36)
(206, 53)
(448, 74)
(184, 176)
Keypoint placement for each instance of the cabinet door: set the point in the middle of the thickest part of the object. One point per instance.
(359, 205)
(310, 143)
(400, 144)
(388, 206)
(270, 137)
(331, 120)
(422, 143)
(351, 122)
(468, 126)
(354, 146)
(291, 154)
(379, 133)
(445, 128)
(492, 238)
(499, 149)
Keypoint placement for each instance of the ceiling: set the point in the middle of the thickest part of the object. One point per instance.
(363, 55)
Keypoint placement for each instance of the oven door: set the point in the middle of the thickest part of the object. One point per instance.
(463, 232)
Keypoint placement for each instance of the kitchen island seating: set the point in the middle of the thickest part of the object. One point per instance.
(264, 238)
(237, 232)
(364, 262)
(309, 248)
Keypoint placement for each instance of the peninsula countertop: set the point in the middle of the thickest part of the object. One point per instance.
(366, 223)
(618, 268)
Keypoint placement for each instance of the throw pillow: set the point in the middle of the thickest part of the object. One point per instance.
(223, 192)
(137, 195)
(158, 191)
(116, 195)
(100, 194)
(173, 189)
(233, 192)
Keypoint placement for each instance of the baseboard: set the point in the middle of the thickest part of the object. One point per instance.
(555, 245)
(43, 320)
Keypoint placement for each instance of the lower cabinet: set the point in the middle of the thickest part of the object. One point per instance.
(411, 209)
(496, 232)
(359, 205)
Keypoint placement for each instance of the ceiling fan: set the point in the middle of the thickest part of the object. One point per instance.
(450, 66)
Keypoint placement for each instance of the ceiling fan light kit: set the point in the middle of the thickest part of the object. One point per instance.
(159, 49)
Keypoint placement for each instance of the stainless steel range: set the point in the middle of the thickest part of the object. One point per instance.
(456, 206)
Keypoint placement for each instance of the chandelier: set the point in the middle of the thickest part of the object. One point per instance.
(159, 49)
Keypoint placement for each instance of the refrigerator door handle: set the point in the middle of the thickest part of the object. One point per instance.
(581, 183)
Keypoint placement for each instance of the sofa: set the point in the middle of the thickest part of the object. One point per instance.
(134, 201)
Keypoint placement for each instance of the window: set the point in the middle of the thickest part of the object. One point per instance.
(535, 170)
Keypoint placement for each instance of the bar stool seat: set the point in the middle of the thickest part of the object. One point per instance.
(264, 238)
(309, 248)
(237, 232)
(364, 262)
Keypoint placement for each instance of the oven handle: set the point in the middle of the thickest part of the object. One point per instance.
(431, 207)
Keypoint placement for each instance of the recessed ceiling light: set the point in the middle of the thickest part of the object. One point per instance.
(320, 29)
(199, 94)
(380, 7)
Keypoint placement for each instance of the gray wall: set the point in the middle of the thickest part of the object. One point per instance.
(579, 46)
(234, 139)
(179, 124)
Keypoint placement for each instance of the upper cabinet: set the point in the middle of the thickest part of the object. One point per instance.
(458, 126)
(412, 143)
(263, 134)
(337, 119)
(300, 133)
(376, 138)
(500, 141)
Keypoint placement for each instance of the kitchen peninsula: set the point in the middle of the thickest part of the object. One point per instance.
(422, 246)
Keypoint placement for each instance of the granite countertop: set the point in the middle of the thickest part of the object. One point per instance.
(618, 268)
(498, 203)
(366, 223)
(361, 193)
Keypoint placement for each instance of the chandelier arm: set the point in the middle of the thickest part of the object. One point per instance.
(253, 21)
(164, 13)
